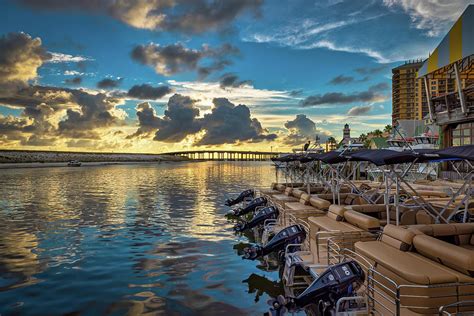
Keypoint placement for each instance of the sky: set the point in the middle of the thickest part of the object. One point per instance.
(155, 76)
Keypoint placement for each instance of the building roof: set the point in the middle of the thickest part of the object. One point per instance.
(409, 65)
(456, 45)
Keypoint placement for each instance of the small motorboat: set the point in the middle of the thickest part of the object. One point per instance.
(74, 163)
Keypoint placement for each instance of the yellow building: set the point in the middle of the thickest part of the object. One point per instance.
(408, 97)
(449, 77)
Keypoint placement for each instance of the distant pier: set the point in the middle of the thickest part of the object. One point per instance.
(225, 155)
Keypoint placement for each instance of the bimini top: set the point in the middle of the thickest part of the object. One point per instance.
(381, 157)
(309, 157)
(456, 45)
(458, 152)
(286, 158)
(332, 157)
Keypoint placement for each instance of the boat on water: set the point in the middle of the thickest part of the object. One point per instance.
(74, 163)
(348, 245)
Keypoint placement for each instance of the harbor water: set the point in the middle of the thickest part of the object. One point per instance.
(129, 240)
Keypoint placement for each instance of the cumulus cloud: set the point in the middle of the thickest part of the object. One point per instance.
(302, 129)
(175, 58)
(372, 94)
(148, 122)
(359, 110)
(431, 15)
(50, 112)
(20, 57)
(228, 123)
(179, 121)
(230, 80)
(73, 81)
(148, 92)
(66, 58)
(195, 16)
(109, 83)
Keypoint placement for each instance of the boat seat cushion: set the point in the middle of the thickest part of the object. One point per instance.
(403, 264)
(328, 224)
(336, 212)
(304, 198)
(398, 237)
(280, 187)
(297, 193)
(455, 257)
(288, 191)
(284, 198)
(269, 192)
(319, 203)
(362, 221)
(297, 206)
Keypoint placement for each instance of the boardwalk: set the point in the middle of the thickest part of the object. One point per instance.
(232, 155)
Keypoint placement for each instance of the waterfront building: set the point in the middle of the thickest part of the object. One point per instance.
(408, 98)
(448, 77)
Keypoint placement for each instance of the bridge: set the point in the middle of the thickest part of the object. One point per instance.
(225, 155)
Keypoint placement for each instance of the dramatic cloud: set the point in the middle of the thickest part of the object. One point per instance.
(148, 122)
(179, 121)
(148, 92)
(50, 112)
(195, 16)
(359, 110)
(431, 15)
(20, 57)
(108, 83)
(341, 79)
(373, 94)
(228, 123)
(74, 81)
(175, 58)
(302, 129)
(232, 81)
(225, 124)
(95, 111)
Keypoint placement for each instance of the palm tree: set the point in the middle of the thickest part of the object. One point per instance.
(387, 129)
(377, 133)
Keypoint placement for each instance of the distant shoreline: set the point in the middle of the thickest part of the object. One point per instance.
(33, 165)
(38, 159)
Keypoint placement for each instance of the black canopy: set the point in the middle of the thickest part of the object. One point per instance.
(382, 157)
(332, 157)
(286, 158)
(309, 157)
(458, 152)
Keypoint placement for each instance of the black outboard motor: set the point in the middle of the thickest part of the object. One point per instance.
(269, 212)
(340, 280)
(294, 234)
(260, 201)
(245, 194)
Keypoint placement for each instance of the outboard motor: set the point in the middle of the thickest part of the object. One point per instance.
(340, 280)
(245, 194)
(260, 201)
(269, 212)
(294, 234)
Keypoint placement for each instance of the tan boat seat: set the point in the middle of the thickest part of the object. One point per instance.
(362, 221)
(304, 198)
(297, 206)
(269, 192)
(280, 187)
(410, 268)
(288, 191)
(319, 203)
(326, 223)
(284, 198)
(297, 193)
(455, 257)
(336, 212)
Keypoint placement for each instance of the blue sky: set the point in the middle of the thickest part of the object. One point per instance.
(328, 60)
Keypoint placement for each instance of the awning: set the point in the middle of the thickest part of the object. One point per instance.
(382, 157)
(456, 45)
(309, 157)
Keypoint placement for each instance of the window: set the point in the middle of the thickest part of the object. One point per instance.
(463, 134)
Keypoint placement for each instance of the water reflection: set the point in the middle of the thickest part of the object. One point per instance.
(133, 240)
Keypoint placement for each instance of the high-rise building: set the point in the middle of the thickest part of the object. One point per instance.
(408, 95)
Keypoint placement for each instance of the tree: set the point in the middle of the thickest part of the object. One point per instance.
(387, 129)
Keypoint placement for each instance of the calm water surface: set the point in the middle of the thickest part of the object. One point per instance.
(128, 240)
